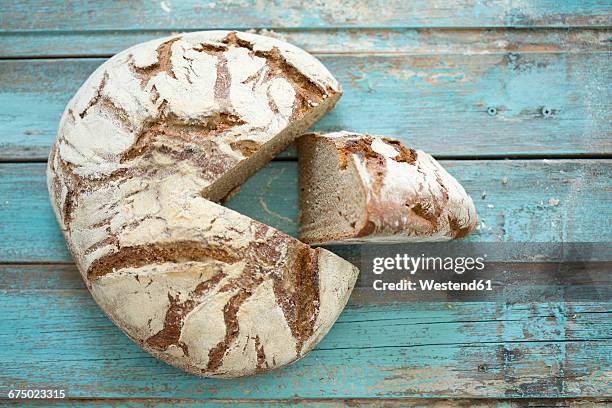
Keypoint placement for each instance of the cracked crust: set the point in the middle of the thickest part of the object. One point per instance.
(156, 136)
(402, 195)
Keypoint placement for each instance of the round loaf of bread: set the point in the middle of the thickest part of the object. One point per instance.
(152, 140)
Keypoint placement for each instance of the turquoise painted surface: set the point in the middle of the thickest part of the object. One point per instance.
(375, 349)
(326, 41)
(426, 72)
(74, 15)
(519, 210)
(424, 100)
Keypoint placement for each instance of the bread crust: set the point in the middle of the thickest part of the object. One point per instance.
(152, 139)
(410, 197)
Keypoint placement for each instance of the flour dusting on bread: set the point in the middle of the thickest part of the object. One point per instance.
(361, 188)
(154, 138)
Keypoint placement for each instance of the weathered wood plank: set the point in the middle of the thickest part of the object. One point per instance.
(325, 41)
(190, 14)
(436, 103)
(518, 210)
(325, 402)
(54, 336)
(404, 349)
(512, 280)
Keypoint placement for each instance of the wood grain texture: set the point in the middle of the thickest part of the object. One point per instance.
(519, 210)
(326, 41)
(324, 402)
(74, 15)
(512, 285)
(437, 103)
(427, 349)
(426, 71)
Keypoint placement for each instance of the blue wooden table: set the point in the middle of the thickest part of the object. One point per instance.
(515, 99)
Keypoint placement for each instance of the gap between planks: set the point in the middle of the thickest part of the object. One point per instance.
(333, 402)
(291, 157)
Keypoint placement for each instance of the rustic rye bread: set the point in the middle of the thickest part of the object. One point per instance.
(154, 138)
(361, 188)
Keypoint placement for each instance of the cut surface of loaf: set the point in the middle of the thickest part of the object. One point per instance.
(361, 188)
(154, 138)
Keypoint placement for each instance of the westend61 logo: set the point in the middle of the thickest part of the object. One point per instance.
(406, 264)
(510, 272)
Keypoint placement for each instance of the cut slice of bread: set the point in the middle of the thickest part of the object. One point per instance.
(362, 188)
